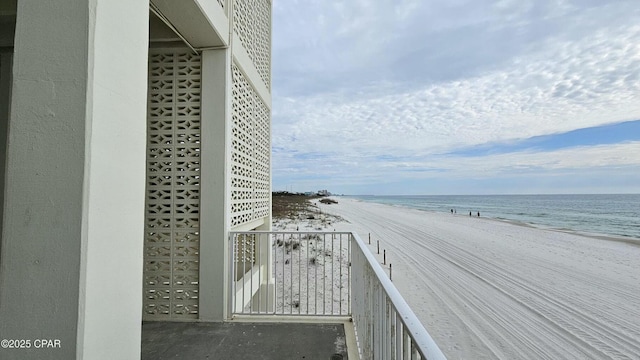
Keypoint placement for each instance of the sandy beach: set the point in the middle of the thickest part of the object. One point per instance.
(488, 289)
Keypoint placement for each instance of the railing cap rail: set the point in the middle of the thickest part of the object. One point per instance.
(428, 347)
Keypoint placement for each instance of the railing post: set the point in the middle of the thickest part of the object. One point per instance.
(384, 257)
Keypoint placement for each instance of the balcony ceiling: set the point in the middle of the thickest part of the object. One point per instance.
(159, 32)
(189, 19)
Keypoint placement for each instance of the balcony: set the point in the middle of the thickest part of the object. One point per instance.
(300, 295)
(325, 277)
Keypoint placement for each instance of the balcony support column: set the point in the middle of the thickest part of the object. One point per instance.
(215, 195)
(71, 261)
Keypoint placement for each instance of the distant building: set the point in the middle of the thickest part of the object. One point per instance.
(135, 135)
(324, 193)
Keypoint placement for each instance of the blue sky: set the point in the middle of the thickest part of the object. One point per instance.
(598, 135)
(456, 97)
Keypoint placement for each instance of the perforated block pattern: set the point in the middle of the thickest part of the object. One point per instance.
(252, 23)
(250, 153)
(172, 230)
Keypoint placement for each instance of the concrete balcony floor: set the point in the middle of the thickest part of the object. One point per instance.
(244, 340)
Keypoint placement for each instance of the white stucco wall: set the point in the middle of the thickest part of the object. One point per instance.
(5, 97)
(110, 313)
(44, 179)
(71, 266)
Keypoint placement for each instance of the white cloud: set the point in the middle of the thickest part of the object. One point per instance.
(612, 163)
(405, 80)
(376, 169)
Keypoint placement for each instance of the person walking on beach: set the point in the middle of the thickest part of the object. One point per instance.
(451, 211)
(478, 213)
(469, 213)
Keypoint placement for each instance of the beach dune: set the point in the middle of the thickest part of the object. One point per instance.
(488, 289)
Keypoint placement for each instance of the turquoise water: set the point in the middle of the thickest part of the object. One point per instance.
(617, 214)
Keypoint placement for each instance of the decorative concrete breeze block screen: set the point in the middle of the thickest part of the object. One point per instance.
(250, 153)
(252, 23)
(172, 226)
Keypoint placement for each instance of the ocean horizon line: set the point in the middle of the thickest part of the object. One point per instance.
(514, 194)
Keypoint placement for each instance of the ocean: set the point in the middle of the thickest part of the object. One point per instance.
(614, 214)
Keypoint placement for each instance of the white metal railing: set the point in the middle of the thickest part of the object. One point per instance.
(291, 273)
(326, 274)
(386, 327)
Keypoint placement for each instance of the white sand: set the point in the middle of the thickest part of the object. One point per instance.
(312, 270)
(315, 274)
(487, 289)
